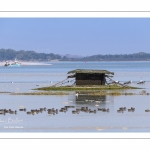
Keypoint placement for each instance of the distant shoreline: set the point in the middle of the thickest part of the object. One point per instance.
(28, 63)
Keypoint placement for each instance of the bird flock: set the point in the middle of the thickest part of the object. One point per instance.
(53, 111)
(122, 109)
(128, 82)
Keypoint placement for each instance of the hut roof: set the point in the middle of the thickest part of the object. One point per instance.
(90, 71)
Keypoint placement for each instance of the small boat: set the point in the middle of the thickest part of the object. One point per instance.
(7, 64)
(15, 63)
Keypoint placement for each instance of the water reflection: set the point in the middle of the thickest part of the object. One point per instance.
(90, 98)
(91, 101)
(90, 111)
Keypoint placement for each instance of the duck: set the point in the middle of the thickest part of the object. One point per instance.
(50, 112)
(74, 112)
(13, 112)
(29, 112)
(95, 111)
(78, 109)
(56, 112)
(42, 109)
(107, 109)
(2, 112)
(22, 109)
(86, 111)
(34, 113)
(119, 111)
(91, 111)
(130, 110)
(147, 110)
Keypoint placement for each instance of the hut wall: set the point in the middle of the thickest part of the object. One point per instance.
(90, 79)
(88, 82)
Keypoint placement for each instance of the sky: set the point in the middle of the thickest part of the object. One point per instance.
(76, 36)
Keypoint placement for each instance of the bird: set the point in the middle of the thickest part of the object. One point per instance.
(147, 110)
(116, 82)
(77, 94)
(128, 82)
(141, 82)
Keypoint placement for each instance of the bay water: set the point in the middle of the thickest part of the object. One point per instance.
(28, 77)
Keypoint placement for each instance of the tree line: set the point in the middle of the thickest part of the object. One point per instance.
(10, 54)
(141, 56)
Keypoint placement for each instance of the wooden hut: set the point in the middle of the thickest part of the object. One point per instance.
(89, 77)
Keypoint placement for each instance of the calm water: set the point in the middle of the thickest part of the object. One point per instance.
(26, 78)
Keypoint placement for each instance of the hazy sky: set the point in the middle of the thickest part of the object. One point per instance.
(78, 36)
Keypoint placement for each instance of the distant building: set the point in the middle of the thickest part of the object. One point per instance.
(89, 77)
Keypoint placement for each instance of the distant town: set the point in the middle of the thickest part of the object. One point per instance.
(22, 55)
